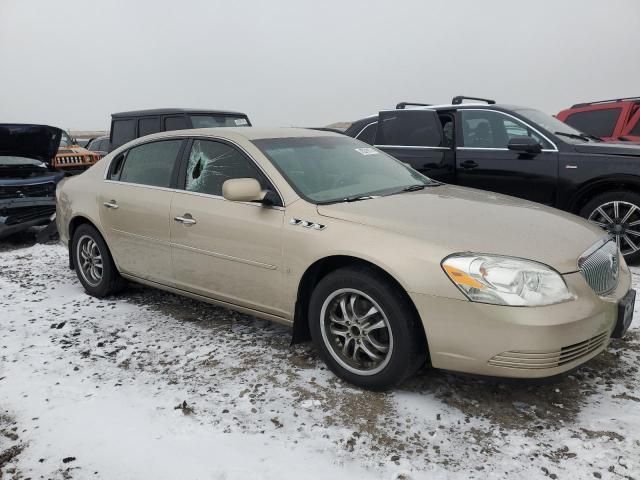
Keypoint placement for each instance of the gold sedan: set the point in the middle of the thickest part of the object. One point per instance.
(382, 267)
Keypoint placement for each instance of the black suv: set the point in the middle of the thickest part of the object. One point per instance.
(517, 151)
(127, 126)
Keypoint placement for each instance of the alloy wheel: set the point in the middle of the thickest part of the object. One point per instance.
(622, 221)
(356, 331)
(90, 260)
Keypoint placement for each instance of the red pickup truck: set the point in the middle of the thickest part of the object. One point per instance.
(612, 120)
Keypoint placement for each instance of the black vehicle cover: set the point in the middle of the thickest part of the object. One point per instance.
(39, 142)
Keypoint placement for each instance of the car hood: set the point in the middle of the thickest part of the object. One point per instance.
(39, 142)
(458, 219)
(609, 148)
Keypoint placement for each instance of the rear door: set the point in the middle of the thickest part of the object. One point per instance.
(416, 137)
(483, 160)
(135, 204)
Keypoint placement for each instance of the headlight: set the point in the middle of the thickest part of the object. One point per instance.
(506, 280)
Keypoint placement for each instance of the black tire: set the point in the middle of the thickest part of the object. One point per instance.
(110, 281)
(407, 345)
(605, 200)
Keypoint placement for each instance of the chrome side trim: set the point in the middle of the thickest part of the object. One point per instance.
(224, 257)
(498, 149)
(411, 147)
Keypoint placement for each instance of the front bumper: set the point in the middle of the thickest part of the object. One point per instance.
(520, 342)
(19, 214)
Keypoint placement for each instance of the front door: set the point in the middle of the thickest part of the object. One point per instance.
(483, 160)
(134, 204)
(230, 251)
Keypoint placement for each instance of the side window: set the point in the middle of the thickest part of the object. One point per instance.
(175, 123)
(123, 131)
(147, 126)
(151, 163)
(601, 122)
(115, 169)
(489, 129)
(635, 131)
(212, 163)
(368, 133)
(414, 128)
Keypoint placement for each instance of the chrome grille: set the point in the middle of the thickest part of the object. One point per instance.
(600, 267)
(535, 360)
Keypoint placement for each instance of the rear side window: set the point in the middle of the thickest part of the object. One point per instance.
(175, 123)
(415, 128)
(600, 123)
(151, 163)
(123, 131)
(368, 133)
(147, 126)
(636, 130)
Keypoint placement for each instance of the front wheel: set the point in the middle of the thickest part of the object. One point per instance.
(618, 213)
(365, 329)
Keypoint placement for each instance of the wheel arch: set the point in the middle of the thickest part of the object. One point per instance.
(74, 223)
(318, 270)
(602, 185)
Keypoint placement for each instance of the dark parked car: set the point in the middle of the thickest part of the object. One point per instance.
(99, 145)
(612, 120)
(27, 178)
(517, 151)
(126, 126)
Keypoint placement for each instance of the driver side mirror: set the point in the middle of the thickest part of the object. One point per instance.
(242, 190)
(524, 145)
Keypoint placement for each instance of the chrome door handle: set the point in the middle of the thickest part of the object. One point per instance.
(186, 219)
(111, 204)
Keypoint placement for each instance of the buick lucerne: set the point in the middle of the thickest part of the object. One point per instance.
(382, 267)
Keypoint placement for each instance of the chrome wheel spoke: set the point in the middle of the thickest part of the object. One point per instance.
(600, 224)
(634, 247)
(375, 326)
(378, 346)
(633, 232)
(603, 213)
(343, 308)
(632, 209)
(616, 210)
(369, 353)
(340, 333)
(339, 321)
(345, 347)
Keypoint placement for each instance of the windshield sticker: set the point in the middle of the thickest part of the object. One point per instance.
(367, 151)
(241, 121)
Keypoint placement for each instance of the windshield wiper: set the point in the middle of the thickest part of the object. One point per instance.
(414, 188)
(357, 198)
(579, 136)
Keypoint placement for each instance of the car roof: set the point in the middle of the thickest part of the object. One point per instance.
(247, 133)
(170, 111)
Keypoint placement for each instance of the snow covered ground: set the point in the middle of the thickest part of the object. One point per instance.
(148, 385)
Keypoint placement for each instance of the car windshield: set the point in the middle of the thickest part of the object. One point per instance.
(65, 140)
(553, 125)
(212, 121)
(11, 161)
(335, 169)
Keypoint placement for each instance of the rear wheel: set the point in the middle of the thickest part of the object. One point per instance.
(618, 213)
(93, 263)
(365, 329)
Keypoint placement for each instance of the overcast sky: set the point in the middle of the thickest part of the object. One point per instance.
(71, 63)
